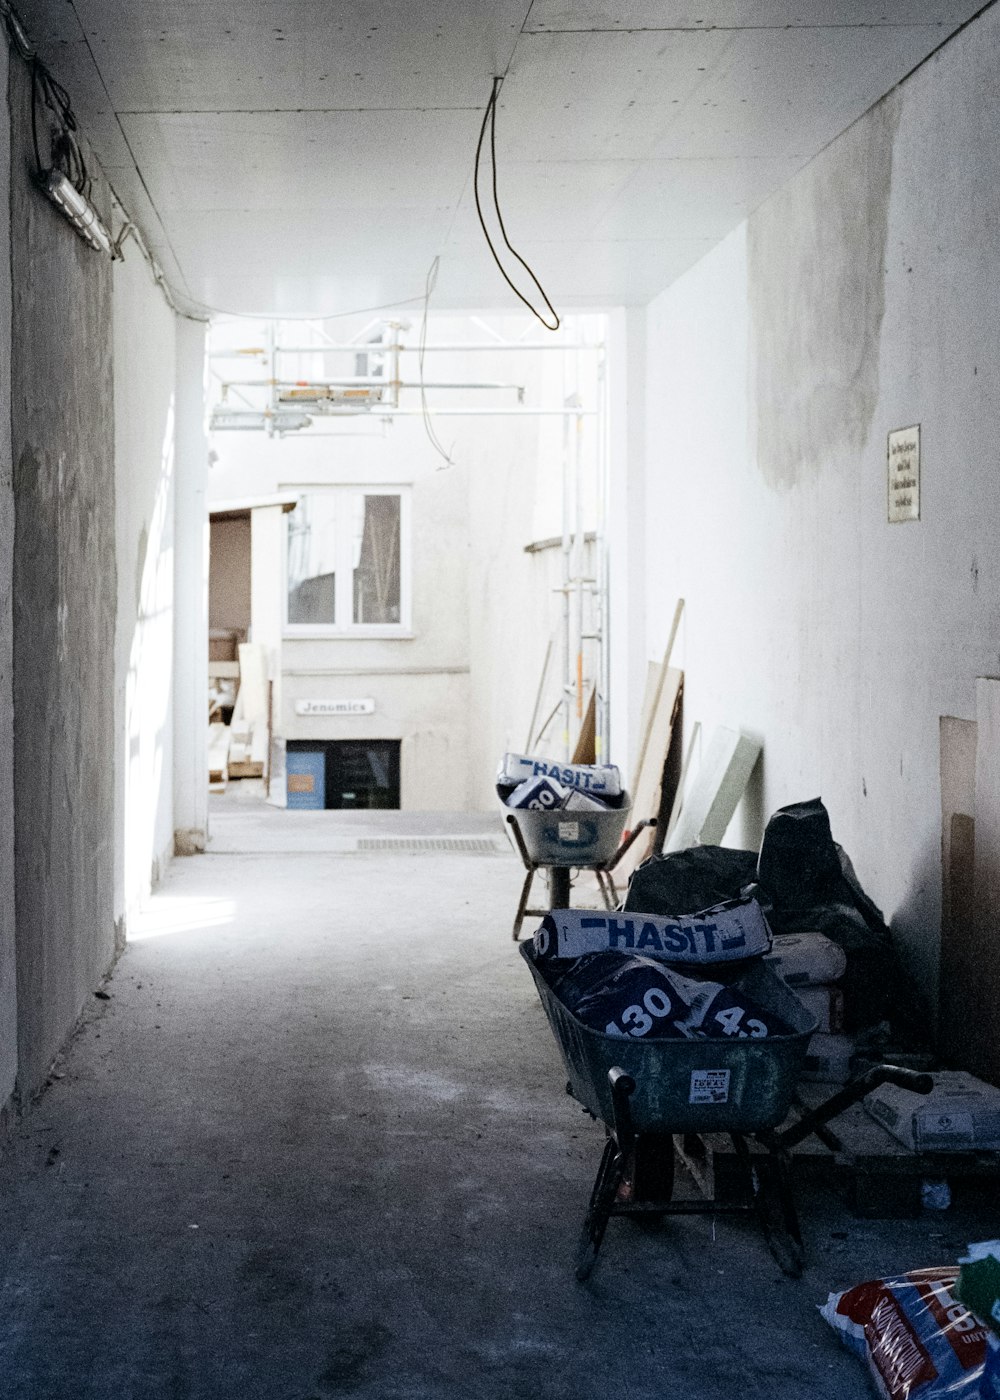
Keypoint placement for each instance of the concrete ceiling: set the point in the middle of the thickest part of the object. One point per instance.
(309, 156)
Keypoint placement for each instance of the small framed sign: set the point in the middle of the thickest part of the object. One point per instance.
(335, 707)
(903, 465)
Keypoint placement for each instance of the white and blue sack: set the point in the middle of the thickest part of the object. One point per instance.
(599, 779)
(538, 795)
(725, 933)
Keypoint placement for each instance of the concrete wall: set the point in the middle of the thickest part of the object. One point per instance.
(65, 591)
(144, 350)
(8, 949)
(860, 299)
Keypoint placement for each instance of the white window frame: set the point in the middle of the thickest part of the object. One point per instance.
(345, 627)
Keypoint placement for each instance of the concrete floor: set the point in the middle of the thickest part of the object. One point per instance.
(317, 1144)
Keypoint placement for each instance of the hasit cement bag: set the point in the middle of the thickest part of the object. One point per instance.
(599, 779)
(538, 795)
(626, 995)
(806, 959)
(726, 933)
(919, 1342)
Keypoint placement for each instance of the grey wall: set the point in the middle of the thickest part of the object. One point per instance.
(64, 610)
(863, 297)
(8, 963)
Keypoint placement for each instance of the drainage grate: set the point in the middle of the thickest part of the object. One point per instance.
(474, 845)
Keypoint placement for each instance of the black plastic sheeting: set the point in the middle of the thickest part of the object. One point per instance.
(805, 883)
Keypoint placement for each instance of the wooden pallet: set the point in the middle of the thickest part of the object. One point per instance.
(880, 1176)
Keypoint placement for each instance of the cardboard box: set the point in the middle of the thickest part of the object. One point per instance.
(962, 1113)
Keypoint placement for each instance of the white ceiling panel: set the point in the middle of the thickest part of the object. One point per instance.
(304, 161)
(569, 15)
(758, 98)
(304, 156)
(693, 198)
(593, 272)
(217, 55)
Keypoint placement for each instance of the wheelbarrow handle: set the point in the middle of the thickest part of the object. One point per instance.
(629, 841)
(622, 1089)
(519, 842)
(853, 1093)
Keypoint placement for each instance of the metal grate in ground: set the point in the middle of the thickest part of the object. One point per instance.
(473, 845)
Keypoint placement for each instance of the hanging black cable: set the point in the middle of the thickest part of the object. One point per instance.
(490, 119)
(66, 154)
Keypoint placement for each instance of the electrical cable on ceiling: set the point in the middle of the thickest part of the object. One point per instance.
(490, 120)
(65, 153)
(313, 316)
(432, 437)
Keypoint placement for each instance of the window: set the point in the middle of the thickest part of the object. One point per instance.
(346, 562)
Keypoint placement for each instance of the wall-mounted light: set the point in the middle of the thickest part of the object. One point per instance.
(17, 31)
(77, 208)
(234, 419)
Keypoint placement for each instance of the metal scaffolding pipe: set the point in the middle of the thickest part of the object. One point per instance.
(379, 349)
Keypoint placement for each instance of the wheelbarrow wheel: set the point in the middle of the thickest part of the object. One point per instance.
(776, 1212)
(602, 1200)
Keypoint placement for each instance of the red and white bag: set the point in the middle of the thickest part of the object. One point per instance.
(920, 1343)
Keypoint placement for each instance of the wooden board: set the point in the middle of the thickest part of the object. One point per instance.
(654, 671)
(646, 729)
(716, 791)
(982, 1002)
(586, 743)
(657, 783)
(251, 703)
(958, 951)
(218, 753)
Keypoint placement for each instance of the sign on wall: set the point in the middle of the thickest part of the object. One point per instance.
(904, 474)
(335, 707)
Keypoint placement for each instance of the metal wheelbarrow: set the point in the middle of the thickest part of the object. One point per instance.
(655, 1096)
(561, 841)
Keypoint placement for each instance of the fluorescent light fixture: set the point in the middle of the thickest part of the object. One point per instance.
(18, 33)
(241, 419)
(77, 208)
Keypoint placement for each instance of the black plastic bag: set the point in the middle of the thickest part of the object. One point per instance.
(683, 882)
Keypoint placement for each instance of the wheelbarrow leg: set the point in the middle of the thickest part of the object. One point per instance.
(608, 891)
(776, 1211)
(559, 886)
(602, 1200)
(619, 1146)
(523, 904)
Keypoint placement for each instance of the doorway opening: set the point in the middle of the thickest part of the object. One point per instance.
(343, 774)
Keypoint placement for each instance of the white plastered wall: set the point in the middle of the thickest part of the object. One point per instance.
(860, 299)
(144, 366)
